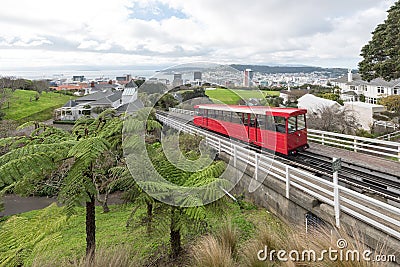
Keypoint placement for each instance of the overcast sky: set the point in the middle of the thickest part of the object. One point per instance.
(46, 33)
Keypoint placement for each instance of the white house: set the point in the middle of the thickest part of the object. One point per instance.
(365, 112)
(373, 90)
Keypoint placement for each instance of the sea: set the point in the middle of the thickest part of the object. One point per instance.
(89, 74)
(54, 74)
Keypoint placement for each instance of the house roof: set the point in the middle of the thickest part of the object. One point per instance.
(101, 102)
(350, 93)
(357, 80)
(95, 96)
(70, 104)
(69, 87)
(129, 91)
(312, 102)
(131, 84)
(130, 107)
(115, 96)
(295, 92)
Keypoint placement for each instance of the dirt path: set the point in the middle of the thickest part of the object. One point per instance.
(14, 204)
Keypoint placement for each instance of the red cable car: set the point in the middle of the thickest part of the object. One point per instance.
(282, 130)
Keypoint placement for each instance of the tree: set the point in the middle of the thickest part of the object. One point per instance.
(332, 96)
(392, 102)
(48, 149)
(40, 86)
(381, 54)
(333, 120)
(167, 101)
(167, 184)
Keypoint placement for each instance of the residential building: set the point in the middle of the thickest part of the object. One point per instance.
(373, 90)
(365, 112)
(292, 95)
(125, 100)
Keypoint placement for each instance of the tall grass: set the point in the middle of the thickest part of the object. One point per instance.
(228, 237)
(118, 257)
(209, 252)
(296, 239)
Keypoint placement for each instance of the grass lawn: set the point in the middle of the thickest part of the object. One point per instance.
(231, 96)
(23, 106)
(48, 236)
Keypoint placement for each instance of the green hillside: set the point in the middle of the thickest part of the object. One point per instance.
(230, 96)
(23, 107)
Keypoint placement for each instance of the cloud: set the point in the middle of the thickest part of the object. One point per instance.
(128, 32)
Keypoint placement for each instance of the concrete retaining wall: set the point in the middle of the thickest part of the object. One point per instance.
(271, 195)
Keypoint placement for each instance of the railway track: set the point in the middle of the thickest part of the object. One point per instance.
(359, 177)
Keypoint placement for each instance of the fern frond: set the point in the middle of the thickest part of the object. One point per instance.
(89, 149)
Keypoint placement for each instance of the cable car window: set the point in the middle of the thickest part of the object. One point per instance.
(211, 114)
(227, 116)
(252, 120)
(261, 122)
(270, 125)
(301, 122)
(237, 117)
(292, 124)
(280, 124)
(198, 112)
(220, 115)
(245, 119)
(217, 115)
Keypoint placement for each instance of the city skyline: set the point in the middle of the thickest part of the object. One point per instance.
(149, 34)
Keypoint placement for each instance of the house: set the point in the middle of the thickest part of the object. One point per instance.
(70, 111)
(313, 103)
(122, 101)
(292, 95)
(373, 90)
(365, 112)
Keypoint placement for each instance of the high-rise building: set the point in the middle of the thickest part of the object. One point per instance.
(197, 76)
(178, 81)
(247, 77)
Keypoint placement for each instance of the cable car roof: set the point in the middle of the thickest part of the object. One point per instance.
(261, 110)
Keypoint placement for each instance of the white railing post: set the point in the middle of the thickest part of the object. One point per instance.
(219, 146)
(287, 181)
(355, 145)
(256, 166)
(398, 153)
(323, 139)
(336, 197)
(234, 156)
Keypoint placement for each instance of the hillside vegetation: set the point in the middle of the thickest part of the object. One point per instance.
(231, 97)
(23, 105)
(48, 238)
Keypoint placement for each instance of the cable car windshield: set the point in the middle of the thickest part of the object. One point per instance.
(296, 123)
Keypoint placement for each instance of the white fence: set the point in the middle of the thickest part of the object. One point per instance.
(389, 136)
(386, 124)
(371, 146)
(182, 111)
(380, 215)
